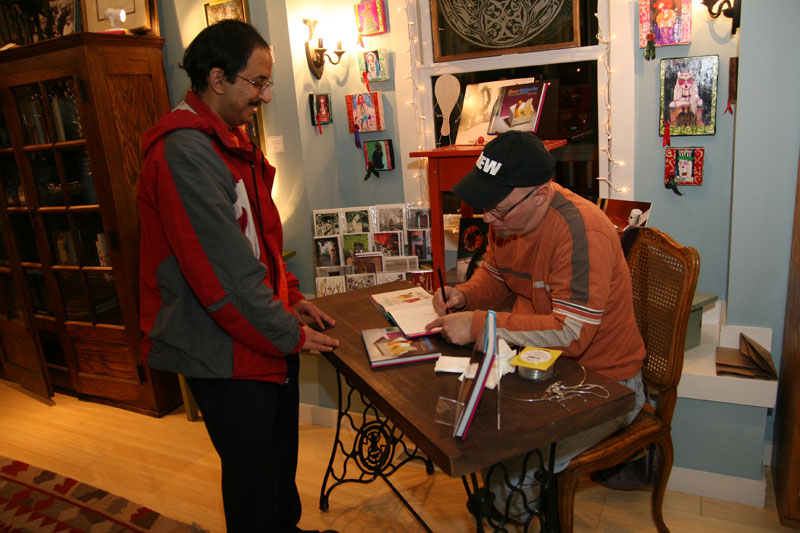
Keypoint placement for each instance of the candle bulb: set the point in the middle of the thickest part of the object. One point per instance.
(319, 43)
(338, 45)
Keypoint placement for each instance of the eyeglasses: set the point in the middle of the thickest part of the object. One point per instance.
(501, 215)
(261, 86)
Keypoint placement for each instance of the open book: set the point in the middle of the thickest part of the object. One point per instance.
(410, 309)
(388, 346)
(480, 363)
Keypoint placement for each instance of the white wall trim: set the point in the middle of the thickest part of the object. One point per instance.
(719, 486)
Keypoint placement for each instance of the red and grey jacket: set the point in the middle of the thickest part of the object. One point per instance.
(215, 296)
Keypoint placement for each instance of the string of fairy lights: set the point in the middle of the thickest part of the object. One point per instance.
(418, 92)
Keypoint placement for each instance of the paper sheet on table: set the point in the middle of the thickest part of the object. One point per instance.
(458, 365)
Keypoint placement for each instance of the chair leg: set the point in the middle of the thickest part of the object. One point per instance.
(567, 483)
(665, 456)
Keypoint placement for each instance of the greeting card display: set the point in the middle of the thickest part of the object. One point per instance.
(365, 111)
(357, 219)
(368, 262)
(379, 153)
(684, 166)
(371, 17)
(373, 64)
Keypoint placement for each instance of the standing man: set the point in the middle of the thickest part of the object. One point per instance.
(561, 260)
(217, 303)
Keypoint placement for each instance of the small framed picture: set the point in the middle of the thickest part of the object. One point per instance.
(391, 217)
(352, 244)
(320, 105)
(689, 95)
(373, 64)
(684, 165)
(400, 263)
(327, 222)
(225, 10)
(368, 262)
(371, 17)
(387, 242)
(669, 21)
(328, 251)
(419, 218)
(379, 153)
(419, 244)
(422, 278)
(328, 285)
(357, 219)
(359, 281)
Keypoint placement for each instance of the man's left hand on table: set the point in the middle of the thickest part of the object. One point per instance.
(455, 327)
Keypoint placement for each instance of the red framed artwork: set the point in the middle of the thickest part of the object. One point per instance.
(684, 165)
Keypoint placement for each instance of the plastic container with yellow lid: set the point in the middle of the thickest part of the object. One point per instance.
(535, 363)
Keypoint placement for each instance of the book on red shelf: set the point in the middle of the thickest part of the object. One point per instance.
(388, 346)
(409, 309)
(518, 107)
(480, 363)
(365, 110)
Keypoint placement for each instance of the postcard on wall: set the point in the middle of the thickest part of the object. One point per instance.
(327, 222)
(419, 244)
(684, 165)
(688, 101)
(358, 219)
(328, 251)
(477, 109)
(670, 22)
(365, 111)
(379, 153)
(320, 107)
(352, 244)
(419, 218)
(328, 285)
(373, 64)
(371, 17)
(391, 217)
(368, 262)
(518, 107)
(359, 281)
(388, 242)
(624, 213)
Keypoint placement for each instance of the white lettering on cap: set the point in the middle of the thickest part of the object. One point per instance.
(488, 165)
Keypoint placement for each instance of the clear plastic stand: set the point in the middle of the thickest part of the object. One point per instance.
(447, 411)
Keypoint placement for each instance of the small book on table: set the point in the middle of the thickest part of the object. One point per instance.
(388, 346)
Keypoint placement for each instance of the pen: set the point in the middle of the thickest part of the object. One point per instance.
(444, 294)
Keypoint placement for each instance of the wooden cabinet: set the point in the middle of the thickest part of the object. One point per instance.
(72, 114)
(786, 454)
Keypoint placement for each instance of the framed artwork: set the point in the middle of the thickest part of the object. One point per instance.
(391, 217)
(422, 278)
(352, 244)
(387, 242)
(365, 112)
(479, 99)
(320, 105)
(330, 285)
(670, 21)
(489, 28)
(373, 64)
(684, 165)
(327, 222)
(217, 10)
(379, 153)
(141, 15)
(327, 251)
(368, 262)
(419, 218)
(357, 219)
(689, 95)
(371, 17)
(359, 281)
(419, 244)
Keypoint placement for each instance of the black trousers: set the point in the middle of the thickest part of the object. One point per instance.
(254, 428)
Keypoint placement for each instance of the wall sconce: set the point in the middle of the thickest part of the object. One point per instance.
(115, 16)
(732, 9)
(316, 56)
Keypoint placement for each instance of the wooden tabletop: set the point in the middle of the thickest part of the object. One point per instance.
(408, 395)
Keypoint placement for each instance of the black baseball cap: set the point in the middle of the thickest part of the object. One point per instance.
(512, 159)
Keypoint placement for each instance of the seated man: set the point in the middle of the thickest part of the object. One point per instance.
(560, 257)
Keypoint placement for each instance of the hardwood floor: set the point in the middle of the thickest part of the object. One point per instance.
(169, 465)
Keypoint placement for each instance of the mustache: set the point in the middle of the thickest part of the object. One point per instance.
(254, 103)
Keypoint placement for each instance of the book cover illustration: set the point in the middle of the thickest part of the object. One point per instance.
(471, 390)
(371, 17)
(477, 108)
(388, 346)
(379, 153)
(365, 110)
(684, 165)
(373, 64)
(517, 107)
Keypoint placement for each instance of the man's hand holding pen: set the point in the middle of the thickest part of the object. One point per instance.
(455, 325)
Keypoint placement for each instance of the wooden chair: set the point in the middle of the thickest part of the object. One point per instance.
(664, 277)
